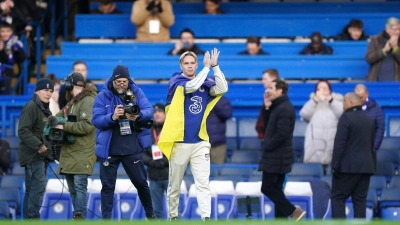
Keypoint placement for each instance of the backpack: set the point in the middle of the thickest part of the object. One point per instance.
(5, 155)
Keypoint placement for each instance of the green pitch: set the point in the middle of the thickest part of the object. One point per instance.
(188, 222)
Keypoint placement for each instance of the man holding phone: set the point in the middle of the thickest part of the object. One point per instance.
(77, 159)
(186, 43)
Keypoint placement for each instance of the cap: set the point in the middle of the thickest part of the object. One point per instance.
(159, 107)
(120, 71)
(44, 83)
(76, 77)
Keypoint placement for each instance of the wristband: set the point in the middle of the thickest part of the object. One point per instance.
(215, 65)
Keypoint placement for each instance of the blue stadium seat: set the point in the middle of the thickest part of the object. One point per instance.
(255, 178)
(391, 143)
(12, 197)
(234, 178)
(225, 192)
(372, 203)
(385, 169)
(246, 156)
(327, 179)
(307, 169)
(390, 204)
(231, 143)
(192, 210)
(4, 210)
(14, 155)
(395, 182)
(128, 203)
(251, 189)
(378, 183)
(300, 178)
(298, 147)
(94, 202)
(57, 202)
(236, 171)
(17, 169)
(392, 156)
(250, 143)
(12, 181)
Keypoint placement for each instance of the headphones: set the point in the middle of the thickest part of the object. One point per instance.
(69, 82)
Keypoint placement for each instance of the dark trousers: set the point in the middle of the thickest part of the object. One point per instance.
(272, 187)
(345, 185)
(134, 167)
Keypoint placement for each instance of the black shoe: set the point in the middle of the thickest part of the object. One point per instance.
(206, 219)
(152, 217)
(173, 219)
(78, 216)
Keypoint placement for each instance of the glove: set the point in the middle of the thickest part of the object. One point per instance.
(150, 6)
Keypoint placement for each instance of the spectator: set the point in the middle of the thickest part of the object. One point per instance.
(77, 159)
(322, 112)
(152, 19)
(212, 7)
(78, 67)
(276, 159)
(157, 164)
(106, 7)
(216, 129)
(373, 110)
(119, 139)
(184, 138)
(33, 151)
(383, 55)
(267, 77)
(11, 52)
(54, 106)
(253, 46)
(15, 17)
(316, 47)
(352, 32)
(353, 160)
(186, 43)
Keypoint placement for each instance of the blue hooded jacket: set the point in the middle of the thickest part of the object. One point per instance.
(103, 110)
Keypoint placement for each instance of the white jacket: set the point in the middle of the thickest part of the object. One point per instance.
(322, 118)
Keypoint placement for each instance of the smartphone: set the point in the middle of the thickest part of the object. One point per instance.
(72, 118)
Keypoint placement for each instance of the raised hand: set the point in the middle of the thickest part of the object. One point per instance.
(214, 57)
(206, 60)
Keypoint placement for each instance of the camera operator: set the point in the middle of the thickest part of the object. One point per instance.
(77, 159)
(116, 111)
(32, 148)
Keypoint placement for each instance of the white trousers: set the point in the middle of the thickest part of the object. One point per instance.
(198, 155)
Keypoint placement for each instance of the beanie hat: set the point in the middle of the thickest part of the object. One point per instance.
(76, 77)
(159, 107)
(120, 71)
(44, 83)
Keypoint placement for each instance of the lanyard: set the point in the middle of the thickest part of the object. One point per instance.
(156, 137)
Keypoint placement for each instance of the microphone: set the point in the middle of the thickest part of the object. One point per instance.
(52, 121)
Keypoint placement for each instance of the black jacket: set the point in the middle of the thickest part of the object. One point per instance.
(353, 150)
(30, 130)
(216, 122)
(157, 169)
(277, 148)
(246, 52)
(324, 50)
(194, 49)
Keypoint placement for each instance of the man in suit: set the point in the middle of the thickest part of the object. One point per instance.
(276, 161)
(353, 159)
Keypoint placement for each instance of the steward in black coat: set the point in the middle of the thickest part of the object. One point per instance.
(353, 159)
(277, 148)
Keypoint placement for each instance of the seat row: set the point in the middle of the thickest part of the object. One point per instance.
(235, 25)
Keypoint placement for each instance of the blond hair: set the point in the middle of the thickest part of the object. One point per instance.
(186, 54)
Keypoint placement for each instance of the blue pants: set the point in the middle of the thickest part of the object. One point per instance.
(35, 185)
(77, 186)
(134, 167)
(157, 189)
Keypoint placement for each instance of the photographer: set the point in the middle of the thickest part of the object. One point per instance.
(117, 110)
(32, 148)
(77, 159)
